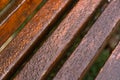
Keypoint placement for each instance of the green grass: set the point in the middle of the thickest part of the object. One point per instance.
(95, 68)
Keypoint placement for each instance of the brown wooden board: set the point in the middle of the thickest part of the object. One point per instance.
(111, 69)
(3, 3)
(17, 15)
(91, 45)
(9, 9)
(52, 49)
(18, 48)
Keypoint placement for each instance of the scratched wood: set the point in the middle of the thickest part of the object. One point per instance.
(111, 69)
(40, 64)
(15, 52)
(16, 16)
(91, 45)
(3, 3)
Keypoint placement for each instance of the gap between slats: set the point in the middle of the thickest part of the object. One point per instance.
(67, 70)
(77, 40)
(17, 14)
(49, 33)
(104, 55)
(21, 25)
(9, 10)
(111, 69)
(62, 51)
(52, 21)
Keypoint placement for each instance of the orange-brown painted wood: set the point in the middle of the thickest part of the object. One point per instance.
(9, 10)
(111, 69)
(20, 11)
(3, 3)
(23, 43)
(52, 49)
(91, 45)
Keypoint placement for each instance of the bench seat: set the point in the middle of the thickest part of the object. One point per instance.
(47, 31)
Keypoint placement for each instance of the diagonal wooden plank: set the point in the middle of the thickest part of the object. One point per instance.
(17, 14)
(14, 53)
(91, 45)
(10, 8)
(40, 64)
(3, 3)
(111, 70)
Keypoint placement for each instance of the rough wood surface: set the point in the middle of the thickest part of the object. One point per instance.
(40, 64)
(13, 54)
(91, 45)
(3, 3)
(16, 16)
(111, 70)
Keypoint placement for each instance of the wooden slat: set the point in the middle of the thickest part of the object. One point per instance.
(40, 64)
(3, 3)
(91, 45)
(19, 47)
(22, 9)
(9, 10)
(111, 70)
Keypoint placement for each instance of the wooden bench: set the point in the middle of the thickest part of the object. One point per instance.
(33, 43)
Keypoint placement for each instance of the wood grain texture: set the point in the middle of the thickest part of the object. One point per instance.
(16, 16)
(111, 69)
(11, 57)
(91, 45)
(40, 64)
(3, 3)
(9, 10)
